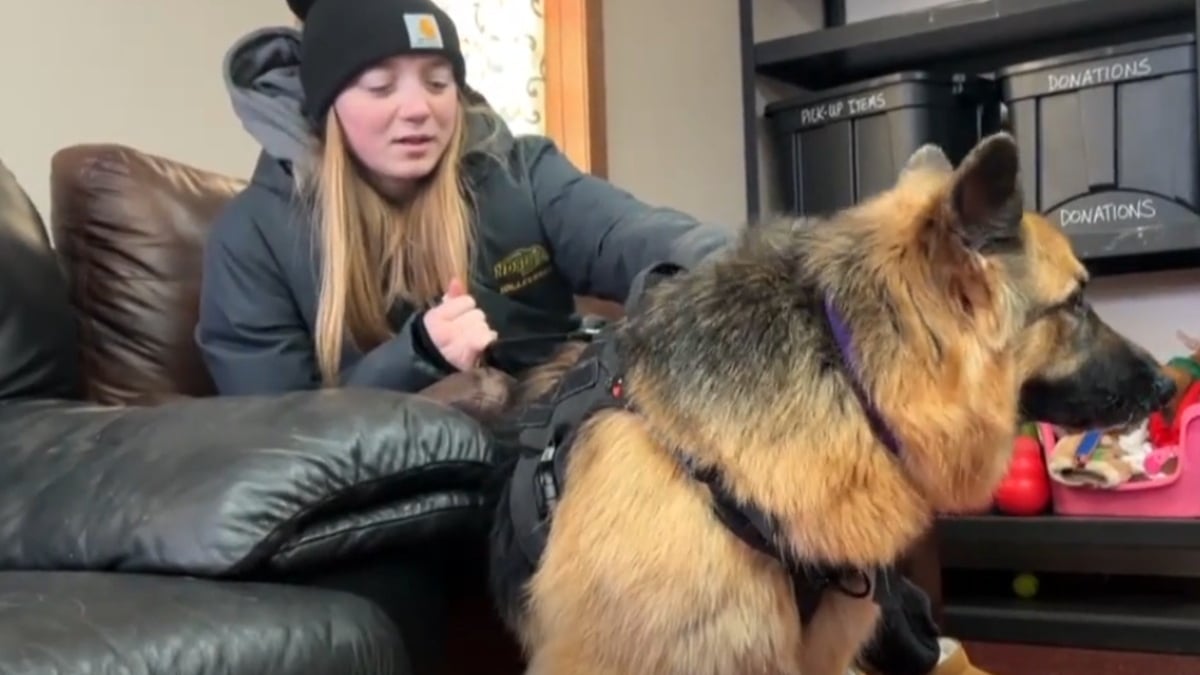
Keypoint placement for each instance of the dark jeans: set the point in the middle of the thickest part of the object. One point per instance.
(907, 642)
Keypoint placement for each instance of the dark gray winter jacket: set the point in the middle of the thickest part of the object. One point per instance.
(545, 231)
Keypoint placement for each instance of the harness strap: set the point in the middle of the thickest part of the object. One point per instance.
(547, 427)
(546, 430)
(841, 333)
(758, 531)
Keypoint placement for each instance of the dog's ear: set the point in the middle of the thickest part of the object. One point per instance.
(928, 157)
(985, 202)
(981, 209)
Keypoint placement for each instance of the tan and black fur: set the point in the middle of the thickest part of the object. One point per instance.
(967, 314)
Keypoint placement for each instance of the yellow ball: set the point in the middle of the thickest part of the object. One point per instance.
(1025, 585)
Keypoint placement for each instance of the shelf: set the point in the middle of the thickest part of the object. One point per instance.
(1141, 264)
(1068, 532)
(983, 33)
(1155, 624)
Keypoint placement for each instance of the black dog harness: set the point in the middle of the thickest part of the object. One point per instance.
(548, 429)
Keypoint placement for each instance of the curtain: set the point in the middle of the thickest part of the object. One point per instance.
(502, 42)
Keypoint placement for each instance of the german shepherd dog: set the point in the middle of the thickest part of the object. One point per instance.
(964, 314)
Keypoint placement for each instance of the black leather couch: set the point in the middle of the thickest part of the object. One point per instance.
(147, 527)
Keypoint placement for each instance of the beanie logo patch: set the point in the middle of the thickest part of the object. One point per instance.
(423, 31)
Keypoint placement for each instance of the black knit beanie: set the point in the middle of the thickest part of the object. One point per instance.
(341, 38)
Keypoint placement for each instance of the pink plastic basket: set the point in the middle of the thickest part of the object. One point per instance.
(1174, 496)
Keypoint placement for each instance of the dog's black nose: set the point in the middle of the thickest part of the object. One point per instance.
(1164, 390)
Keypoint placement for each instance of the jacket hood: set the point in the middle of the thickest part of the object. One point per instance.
(262, 75)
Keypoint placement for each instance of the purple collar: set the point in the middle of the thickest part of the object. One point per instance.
(841, 333)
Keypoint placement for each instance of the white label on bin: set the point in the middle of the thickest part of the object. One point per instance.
(1109, 212)
(849, 106)
(1100, 74)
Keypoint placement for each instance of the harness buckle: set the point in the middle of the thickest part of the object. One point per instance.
(548, 489)
(531, 498)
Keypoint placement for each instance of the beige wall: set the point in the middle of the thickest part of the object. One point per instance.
(142, 72)
(675, 99)
(673, 103)
(147, 73)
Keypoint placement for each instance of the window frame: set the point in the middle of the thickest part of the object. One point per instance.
(574, 94)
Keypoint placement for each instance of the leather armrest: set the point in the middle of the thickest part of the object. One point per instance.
(222, 486)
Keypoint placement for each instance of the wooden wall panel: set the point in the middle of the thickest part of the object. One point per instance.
(574, 50)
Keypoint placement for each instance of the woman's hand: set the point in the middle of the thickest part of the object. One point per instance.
(458, 329)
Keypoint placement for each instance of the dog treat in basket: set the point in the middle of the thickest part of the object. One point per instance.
(1110, 459)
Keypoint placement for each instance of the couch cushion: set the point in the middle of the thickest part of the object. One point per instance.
(234, 485)
(131, 229)
(77, 622)
(39, 355)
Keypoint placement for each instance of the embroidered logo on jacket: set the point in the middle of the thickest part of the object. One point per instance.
(522, 268)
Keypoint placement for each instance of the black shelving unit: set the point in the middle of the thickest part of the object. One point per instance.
(1149, 536)
(1154, 624)
(979, 35)
(991, 33)
(1105, 583)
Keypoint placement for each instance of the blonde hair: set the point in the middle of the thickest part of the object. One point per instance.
(375, 252)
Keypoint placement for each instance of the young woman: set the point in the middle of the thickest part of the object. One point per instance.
(394, 228)
(435, 230)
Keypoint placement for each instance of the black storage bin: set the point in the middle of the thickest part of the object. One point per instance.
(838, 146)
(1108, 145)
